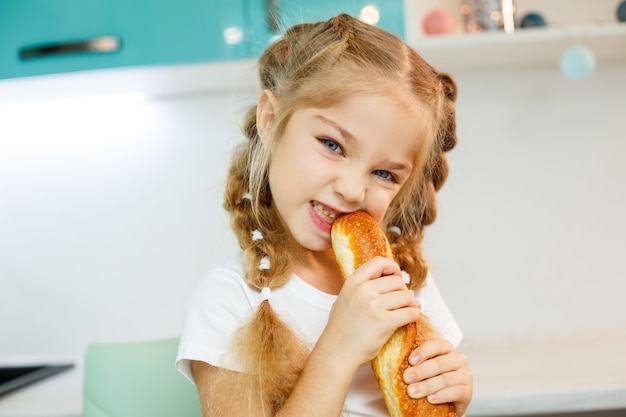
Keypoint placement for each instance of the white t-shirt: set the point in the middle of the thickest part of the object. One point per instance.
(223, 302)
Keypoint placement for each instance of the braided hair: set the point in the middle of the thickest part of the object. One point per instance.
(317, 65)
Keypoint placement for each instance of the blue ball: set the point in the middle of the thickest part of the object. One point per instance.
(578, 62)
(532, 20)
(621, 12)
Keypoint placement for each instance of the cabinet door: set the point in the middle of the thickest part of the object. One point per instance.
(268, 17)
(148, 32)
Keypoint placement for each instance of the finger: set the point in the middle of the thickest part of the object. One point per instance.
(399, 298)
(435, 385)
(381, 300)
(429, 349)
(388, 267)
(454, 362)
(453, 394)
(375, 268)
(400, 317)
(388, 284)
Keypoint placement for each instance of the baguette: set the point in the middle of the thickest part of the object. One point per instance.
(357, 238)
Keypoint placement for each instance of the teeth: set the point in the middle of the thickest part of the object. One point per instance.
(323, 213)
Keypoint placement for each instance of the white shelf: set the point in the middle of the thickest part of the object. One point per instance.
(525, 48)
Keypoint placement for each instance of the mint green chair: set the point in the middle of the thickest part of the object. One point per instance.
(136, 379)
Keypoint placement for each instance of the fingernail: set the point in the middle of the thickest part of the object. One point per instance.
(413, 390)
(432, 397)
(414, 359)
(410, 377)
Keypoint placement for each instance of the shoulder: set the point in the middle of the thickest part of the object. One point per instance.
(221, 303)
(225, 286)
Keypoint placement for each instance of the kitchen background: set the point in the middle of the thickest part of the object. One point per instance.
(110, 215)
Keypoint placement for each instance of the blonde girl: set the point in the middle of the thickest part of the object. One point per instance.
(349, 118)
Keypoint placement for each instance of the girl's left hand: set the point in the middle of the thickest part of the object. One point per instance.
(440, 373)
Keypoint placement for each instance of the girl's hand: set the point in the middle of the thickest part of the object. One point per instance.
(372, 303)
(440, 373)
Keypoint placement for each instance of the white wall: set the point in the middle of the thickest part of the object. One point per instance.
(108, 218)
(530, 236)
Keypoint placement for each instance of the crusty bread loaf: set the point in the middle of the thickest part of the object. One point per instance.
(357, 238)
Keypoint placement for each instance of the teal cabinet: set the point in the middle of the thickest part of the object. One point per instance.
(40, 37)
(268, 17)
(51, 36)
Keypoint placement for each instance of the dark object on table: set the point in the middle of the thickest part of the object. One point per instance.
(621, 12)
(532, 20)
(14, 377)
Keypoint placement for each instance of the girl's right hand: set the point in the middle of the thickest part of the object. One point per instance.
(372, 304)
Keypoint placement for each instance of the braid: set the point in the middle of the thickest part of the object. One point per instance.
(406, 246)
(407, 253)
(264, 346)
(436, 169)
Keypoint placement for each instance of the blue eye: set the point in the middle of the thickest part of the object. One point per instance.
(386, 175)
(331, 144)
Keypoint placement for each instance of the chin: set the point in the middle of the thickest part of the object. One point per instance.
(315, 245)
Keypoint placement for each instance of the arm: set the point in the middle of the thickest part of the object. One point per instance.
(440, 373)
(320, 391)
(217, 399)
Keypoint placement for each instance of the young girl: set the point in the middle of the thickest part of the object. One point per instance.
(349, 119)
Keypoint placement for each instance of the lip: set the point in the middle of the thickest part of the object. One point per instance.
(320, 222)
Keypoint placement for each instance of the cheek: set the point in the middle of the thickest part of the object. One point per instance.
(304, 165)
(290, 167)
(378, 203)
(292, 171)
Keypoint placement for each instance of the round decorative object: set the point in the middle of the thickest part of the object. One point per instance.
(438, 22)
(578, 62)
(621, 12)
(532, 20)
(488, 15)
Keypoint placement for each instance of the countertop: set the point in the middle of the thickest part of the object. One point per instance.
(57, 396)
(513, 376)
(538, 375)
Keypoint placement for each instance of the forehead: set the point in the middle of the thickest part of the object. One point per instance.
(384, 123)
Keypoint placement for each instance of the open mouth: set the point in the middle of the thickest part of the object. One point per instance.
(323, 212)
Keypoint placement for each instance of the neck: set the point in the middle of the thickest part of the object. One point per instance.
(320, 270)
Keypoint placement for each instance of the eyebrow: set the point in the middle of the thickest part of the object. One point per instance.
(399, 166)
(347, 135)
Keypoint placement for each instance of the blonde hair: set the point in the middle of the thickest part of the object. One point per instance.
(318, 65)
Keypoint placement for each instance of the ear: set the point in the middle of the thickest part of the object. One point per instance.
(265, 111)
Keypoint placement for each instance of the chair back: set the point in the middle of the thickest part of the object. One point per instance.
(135, 379)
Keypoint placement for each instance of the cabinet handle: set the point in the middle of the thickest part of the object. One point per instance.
(273, 21)
(103, 44)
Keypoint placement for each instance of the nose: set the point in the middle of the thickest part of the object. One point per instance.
(351, 185)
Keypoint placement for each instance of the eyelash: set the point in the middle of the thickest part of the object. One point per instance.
(389, 176)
